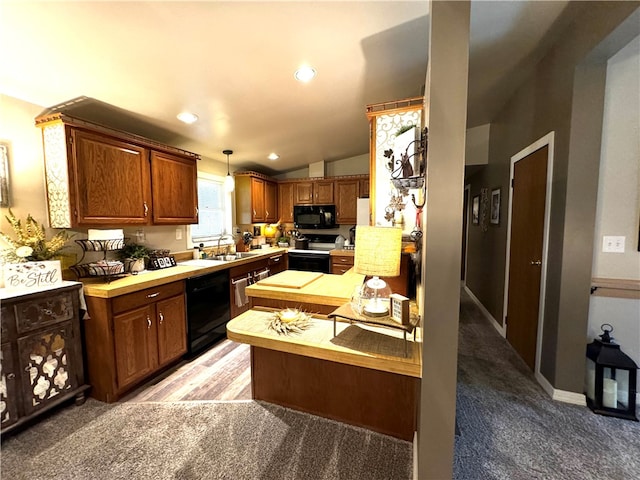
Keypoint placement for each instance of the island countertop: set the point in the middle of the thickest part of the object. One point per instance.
(358, 345)
(326, 289)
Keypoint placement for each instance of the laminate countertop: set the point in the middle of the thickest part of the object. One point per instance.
(97, 287)
(360, 345)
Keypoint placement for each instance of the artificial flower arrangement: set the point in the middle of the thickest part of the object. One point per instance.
(30, 243)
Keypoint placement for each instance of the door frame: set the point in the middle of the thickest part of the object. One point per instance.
(548, 140)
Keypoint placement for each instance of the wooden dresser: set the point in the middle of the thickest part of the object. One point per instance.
(41, 353)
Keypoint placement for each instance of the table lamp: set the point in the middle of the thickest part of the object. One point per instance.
(377, 254)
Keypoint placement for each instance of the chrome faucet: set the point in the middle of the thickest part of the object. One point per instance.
(224, 235)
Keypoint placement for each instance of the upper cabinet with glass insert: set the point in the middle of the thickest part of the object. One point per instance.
(100, 176)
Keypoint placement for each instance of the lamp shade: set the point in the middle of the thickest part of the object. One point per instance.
(378, 251)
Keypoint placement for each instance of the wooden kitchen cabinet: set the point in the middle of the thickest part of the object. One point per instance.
(174, 189)
(346, 201)
(256, 198)
(285, 202)
(270, 202)
(41, 358)
(112, 180)
(319, 192)
(341, 263)
(131, 337)
(99, 176)
(248, 271)
(363, 187)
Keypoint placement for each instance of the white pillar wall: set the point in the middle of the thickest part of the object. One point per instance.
(446, 116)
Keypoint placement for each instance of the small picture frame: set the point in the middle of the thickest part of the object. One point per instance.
(475, 210)
(399, 308)
(495, 206)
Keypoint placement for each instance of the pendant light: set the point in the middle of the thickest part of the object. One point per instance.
(229, 182)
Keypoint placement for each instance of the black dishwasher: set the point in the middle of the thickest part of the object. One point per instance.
(207, 310)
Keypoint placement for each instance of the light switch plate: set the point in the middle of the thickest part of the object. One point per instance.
(613, 244)
(178, 234)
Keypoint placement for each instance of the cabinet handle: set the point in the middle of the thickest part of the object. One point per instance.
(146, 208)
(276, 259)
(267, 212)
(148, 322)
(11, 376)
(153, 295)
(161, 317)
(197, 211)
(254, 212)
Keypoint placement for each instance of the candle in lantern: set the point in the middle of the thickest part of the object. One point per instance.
(609, 393)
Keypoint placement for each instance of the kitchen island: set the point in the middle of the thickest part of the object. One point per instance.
(360, 376)
(323, 294)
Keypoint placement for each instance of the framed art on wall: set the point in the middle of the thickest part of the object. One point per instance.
(475, 210)
(495, 206)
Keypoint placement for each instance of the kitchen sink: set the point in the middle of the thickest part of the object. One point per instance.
(246, 254)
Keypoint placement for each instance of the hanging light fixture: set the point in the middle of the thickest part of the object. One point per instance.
(229, 182)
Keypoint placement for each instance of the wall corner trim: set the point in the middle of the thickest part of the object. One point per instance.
(561, 395)
(500, 328)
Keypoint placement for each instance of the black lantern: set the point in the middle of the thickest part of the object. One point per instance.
(610, 378)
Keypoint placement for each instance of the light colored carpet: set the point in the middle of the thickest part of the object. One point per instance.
(511, 429)
(199, 440)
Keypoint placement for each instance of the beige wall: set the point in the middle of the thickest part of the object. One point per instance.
(26, 165)
(618, 209)
(564, 95)
(358, 165)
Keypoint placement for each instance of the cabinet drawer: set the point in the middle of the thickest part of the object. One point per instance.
(42, 311)
(335, 260)
(340, 269)
(130, 301)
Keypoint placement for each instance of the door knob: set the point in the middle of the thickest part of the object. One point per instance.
(536, 262)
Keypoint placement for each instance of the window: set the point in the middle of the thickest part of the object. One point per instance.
(214, 211)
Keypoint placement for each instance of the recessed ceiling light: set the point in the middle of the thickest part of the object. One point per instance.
(187, 117)
(305, 74)
(273, 156)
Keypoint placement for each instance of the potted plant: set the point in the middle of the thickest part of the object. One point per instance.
(134, 255)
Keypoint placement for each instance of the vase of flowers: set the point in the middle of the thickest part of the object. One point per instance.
(30, 242)
(30, 245)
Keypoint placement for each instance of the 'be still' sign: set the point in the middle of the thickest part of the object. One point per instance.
(32, 275)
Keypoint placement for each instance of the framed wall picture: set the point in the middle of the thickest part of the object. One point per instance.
(495, 206)
(475, 210)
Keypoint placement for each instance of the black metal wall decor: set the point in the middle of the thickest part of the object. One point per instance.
(409, 170)
(610, 380)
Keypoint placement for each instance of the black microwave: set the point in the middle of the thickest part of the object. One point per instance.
(314, 216)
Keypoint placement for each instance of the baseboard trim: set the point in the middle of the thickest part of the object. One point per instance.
(501, 330)
(561, 395)
(415, 456)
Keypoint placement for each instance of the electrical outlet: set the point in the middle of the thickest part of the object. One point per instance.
(178, 234)
(140, 236)
(611, 244)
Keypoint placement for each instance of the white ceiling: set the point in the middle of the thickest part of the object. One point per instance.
(232, 64)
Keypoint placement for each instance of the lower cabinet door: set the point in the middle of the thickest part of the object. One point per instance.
(135, 335)
(172, 329)
(47, 360)
(8, 391)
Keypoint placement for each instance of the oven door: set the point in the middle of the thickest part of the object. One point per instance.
(310, 262)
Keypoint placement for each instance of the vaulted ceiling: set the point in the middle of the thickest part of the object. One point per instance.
(232, 64)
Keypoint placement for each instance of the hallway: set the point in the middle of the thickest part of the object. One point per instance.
(511, 429)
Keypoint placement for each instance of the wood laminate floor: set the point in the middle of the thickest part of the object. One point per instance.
(221, 373)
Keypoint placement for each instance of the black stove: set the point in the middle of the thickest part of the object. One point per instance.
(316, 258)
